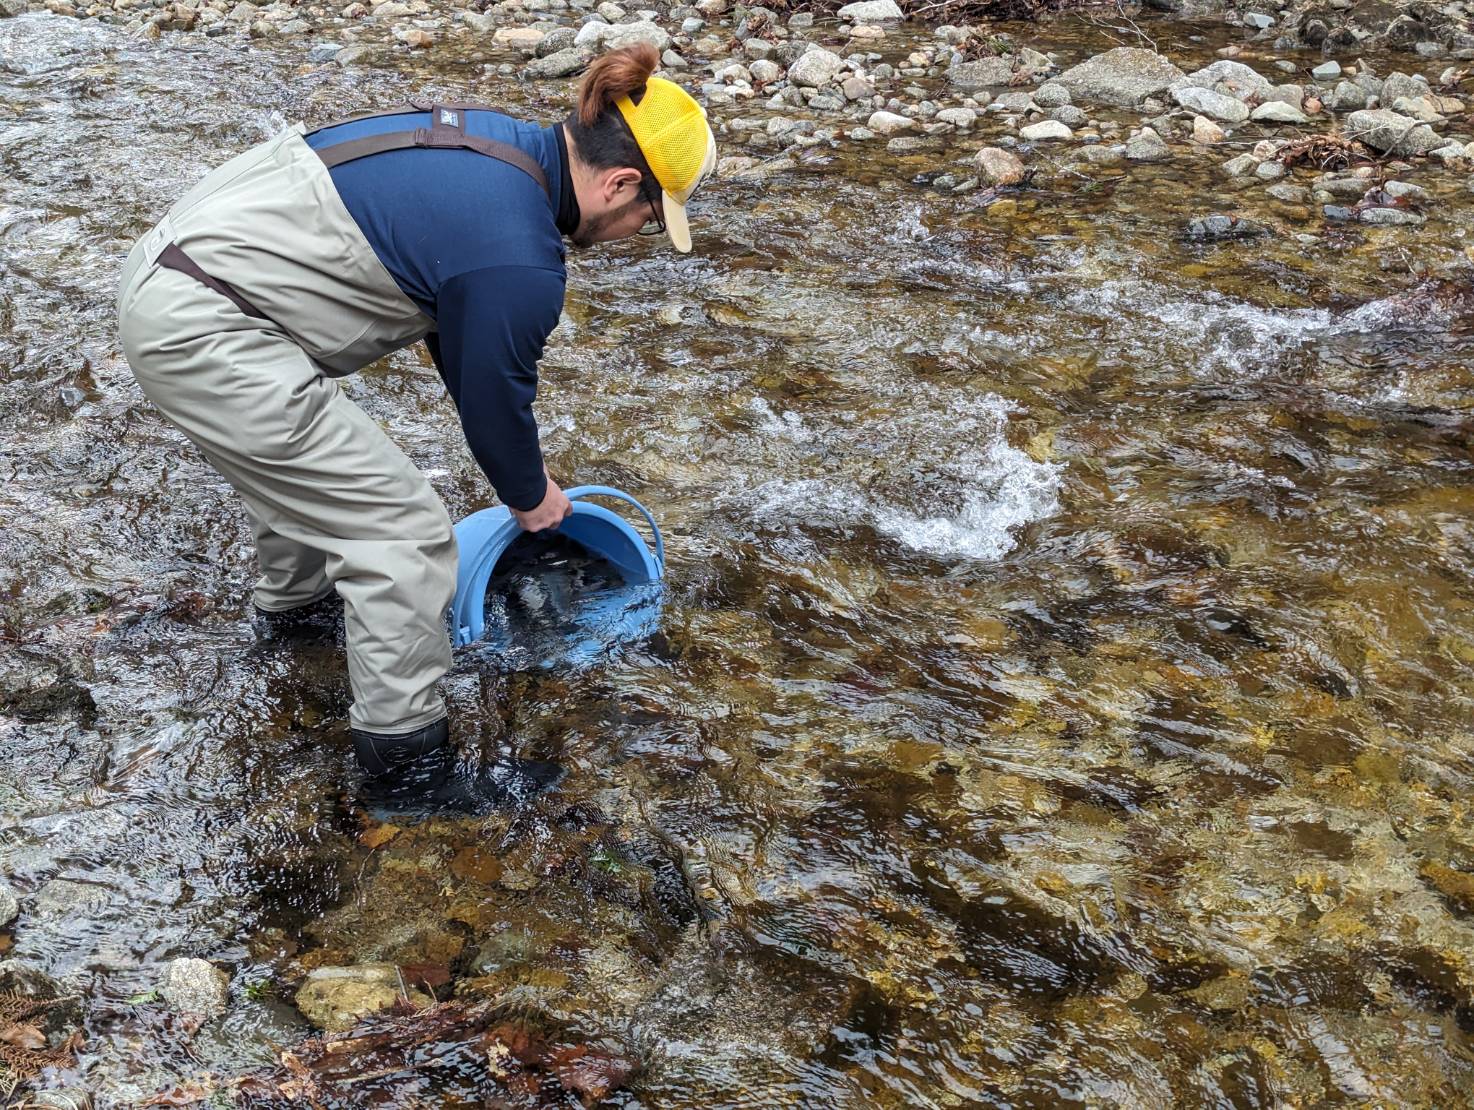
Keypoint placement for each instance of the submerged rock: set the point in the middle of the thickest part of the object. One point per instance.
(1147, 146)
(1220, 227)
(1125, 76)
(334, 998)
(196, 987)
(998, 166)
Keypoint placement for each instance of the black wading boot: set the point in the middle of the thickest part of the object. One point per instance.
(417, 775)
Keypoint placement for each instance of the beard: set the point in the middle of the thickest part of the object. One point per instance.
(590, 227)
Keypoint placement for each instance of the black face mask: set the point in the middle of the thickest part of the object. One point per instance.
(568, 214)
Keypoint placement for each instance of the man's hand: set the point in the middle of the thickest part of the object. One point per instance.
(550, 512)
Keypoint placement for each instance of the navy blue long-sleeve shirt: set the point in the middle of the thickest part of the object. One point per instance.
(474, 242)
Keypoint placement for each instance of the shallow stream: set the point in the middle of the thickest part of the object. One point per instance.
(1063, 693)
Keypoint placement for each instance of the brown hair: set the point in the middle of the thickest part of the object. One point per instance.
(600, 136)
(619, 73)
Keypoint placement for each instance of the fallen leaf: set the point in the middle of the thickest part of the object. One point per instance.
(186, 1094)
(379, 835)
(23, 1036)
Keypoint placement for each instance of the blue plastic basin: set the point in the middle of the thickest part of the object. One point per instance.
(619, 616)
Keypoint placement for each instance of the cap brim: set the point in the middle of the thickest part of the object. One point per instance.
(676, 224)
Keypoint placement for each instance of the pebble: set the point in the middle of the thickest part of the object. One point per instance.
(1269, 171)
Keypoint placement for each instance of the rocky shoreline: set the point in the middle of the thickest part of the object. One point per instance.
(1327, 142)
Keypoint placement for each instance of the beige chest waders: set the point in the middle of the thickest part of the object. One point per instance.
(236, 312)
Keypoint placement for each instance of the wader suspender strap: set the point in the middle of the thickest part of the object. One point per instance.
(446, 132)
(172, 258)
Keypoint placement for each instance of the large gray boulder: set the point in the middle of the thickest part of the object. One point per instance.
(1124, 77)
(871, 11)
(1232, 79)
(9, 8)
(817, 68)
(981, 74)
(607, 36)
(1391, 133)
(1211, 104)
(561, 63)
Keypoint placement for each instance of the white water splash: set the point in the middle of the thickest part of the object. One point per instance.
(932, 470)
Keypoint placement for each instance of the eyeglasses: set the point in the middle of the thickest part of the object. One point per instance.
(655, 226)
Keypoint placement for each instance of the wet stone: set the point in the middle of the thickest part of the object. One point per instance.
(335, 998)
(1221, 227)
(1046, 131)
(1147, 146)
(1391, 217)
(1125, 76)
(195, 986)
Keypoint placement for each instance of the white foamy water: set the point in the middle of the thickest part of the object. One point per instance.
(931, 469)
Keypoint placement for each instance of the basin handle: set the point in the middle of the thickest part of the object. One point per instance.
(581, 492)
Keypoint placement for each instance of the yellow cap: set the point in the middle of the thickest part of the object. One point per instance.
(678, 145)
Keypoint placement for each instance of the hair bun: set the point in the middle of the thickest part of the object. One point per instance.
(619, 73)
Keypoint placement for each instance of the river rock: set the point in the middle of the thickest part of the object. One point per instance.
(195, 987)
(1103, 155)
(1287, 193)
(1051, 95)
(1398, 85)
(609, 36)
(765, 72)
(562, 63)
(9, 905)
(998, 166)
(816, 68)
(1219, 227)
(1391, 133)
(889, 123)
(1231, 78)
(334, 998)
(871, 11)
(1211, 104)
(1348, 96)
(1124, 76)
(1206, 132)
(1390, 217)
(961, 118)
(1146, 146)
(1070, 116)
(1277, 111)
(518, 38)
(1258, 20)
(1242, 166)
(1327, 71)
(1046, 131)
(1419, 108)
(9, 8)
(981, 74)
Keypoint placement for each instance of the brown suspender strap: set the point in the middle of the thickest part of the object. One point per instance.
(172, 258)
(448, 132)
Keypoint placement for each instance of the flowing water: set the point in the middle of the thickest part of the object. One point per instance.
(1062, 694)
